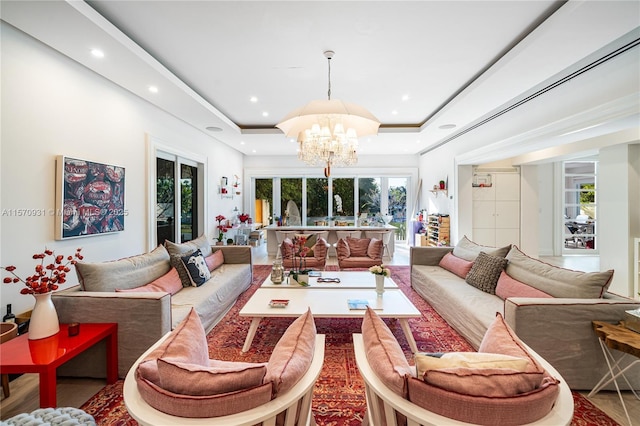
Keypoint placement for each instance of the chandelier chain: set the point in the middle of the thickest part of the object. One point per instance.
(329, 91)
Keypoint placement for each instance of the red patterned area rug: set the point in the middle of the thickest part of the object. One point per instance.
(339, 393)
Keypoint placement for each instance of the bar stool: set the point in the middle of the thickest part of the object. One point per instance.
(8, 330)
(385, 236)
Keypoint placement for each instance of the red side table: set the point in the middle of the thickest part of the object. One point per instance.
(44, 356)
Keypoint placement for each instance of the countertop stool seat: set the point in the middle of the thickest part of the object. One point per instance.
(8, 330)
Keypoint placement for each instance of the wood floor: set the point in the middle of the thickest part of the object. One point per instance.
(73, 392)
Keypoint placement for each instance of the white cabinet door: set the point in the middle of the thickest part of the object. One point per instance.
(496, 211)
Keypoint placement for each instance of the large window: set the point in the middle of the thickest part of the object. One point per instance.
(580, 207)
(310, 200)
(179, 211)
(317, 200)
(291, 200)
(264, 201)
(369, 196)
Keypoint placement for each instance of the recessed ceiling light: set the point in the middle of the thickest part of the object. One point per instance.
(253, 99)
(394, 112)
(292, 140)
(447, 127)
(265, 114)
(241, 142)
(405, 97)
(213, 129)
(153, 89)
(254, 151)
(97, 53)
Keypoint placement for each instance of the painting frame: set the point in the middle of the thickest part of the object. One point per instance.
(90, 198)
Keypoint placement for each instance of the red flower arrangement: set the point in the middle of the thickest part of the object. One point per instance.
(47, 277)
(221, 228)
(243, 217)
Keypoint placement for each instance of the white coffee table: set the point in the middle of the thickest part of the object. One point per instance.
(328, 303)
(348, 279)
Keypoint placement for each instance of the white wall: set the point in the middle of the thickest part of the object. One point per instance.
(52, 106)
(618, 208)
(546, 217)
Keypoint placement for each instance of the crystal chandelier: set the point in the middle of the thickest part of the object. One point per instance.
(328, 130)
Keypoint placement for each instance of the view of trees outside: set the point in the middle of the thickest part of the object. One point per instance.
(290, 190)
(343, 188)
(369, 196)
(317, 198)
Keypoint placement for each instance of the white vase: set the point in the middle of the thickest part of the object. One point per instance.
(379, 284)
(44, 318)
(303, 279)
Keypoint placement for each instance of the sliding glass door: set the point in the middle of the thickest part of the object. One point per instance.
(178, 193)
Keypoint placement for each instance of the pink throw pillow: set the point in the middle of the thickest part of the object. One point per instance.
(168, 283)
(374, 250)
(292, 355)
(456, 265)
(187, 343)
(384, 353)
(358, 246)
(501, 339)
(342, 249)
(214, 260)
(510, 287)
(216, 378)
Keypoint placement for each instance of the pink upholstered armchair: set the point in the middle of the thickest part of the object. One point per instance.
(359, 252)
(315, 258)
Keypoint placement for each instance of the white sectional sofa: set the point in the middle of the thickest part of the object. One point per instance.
(558, 328)
(144, 317)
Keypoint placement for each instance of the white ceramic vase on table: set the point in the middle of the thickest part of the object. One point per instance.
(379, 284)
(44, 318)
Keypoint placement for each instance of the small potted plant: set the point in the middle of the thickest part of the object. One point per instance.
(229, 241)
(442, 185)
(221, 230)
(379, 271)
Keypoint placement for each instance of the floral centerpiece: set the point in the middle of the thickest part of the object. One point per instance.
(299, 273)
(46, 279)
(379, 271)
(222, 229)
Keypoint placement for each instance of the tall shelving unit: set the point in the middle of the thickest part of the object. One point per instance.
(438, 230)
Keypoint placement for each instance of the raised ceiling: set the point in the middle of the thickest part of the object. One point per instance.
(428, 70)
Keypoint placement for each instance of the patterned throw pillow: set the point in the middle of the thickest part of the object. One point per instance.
(197, 268)
(485, 272)
(176, 262)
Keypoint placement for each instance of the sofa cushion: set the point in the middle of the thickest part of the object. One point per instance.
(292, 355)
(342, 249)
(426, 362)
(468, 250)
(214, 260)
(485, 272)
(508, 287)
(374, 249)
(460, 404)
(186, 343)
(190, 406)
(557, 282)
(384, 353)
(176, 262)
(215, 378)
(358, 246)
(202, 243)
(197, 268)
(457, 265)
(129, 272)
(168, 283)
